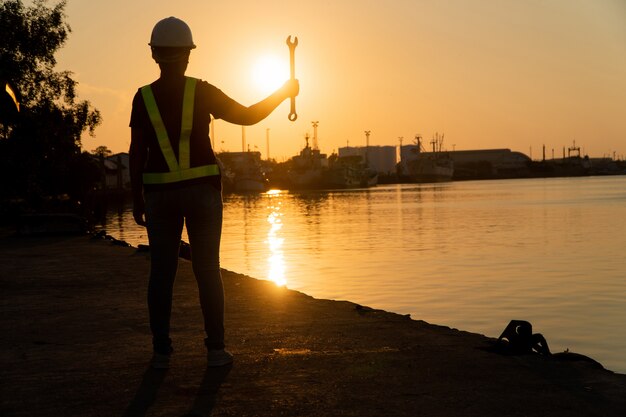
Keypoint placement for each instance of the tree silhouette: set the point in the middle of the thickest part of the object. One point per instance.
(40, 146)
(101, 151)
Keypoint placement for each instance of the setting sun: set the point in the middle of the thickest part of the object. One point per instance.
(269, 73)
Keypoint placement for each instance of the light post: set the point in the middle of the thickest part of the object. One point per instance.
(315, 123)
(243, 138)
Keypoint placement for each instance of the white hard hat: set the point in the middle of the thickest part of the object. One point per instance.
(171, 33)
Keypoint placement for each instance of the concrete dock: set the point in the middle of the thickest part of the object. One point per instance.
(75, 342)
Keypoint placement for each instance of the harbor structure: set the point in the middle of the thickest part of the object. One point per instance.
(314, 170)
(382, 159)
(116, 172)
(242, 171)
(489, 163)
(417, 165)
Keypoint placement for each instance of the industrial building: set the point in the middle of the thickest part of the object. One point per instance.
(490, 163)
(380, 158)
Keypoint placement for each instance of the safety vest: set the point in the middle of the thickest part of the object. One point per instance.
(179, 170)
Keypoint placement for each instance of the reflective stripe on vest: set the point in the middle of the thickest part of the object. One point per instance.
(178, 170)
(180, 175)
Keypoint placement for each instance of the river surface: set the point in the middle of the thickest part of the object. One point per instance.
(469, 255)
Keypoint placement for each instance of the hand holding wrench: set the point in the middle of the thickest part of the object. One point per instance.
(292, 61)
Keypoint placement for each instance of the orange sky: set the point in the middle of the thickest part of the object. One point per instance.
(486, 73)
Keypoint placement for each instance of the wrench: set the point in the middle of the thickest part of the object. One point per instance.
(292, 61)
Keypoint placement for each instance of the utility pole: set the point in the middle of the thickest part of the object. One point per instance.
(315, 123)
(367, 143)
(243, 138)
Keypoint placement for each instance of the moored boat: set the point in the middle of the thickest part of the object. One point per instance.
(308, 168)
(242, 172)
(418, 166)
(314, 170)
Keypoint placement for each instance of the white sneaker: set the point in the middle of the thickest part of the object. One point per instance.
(218, 357)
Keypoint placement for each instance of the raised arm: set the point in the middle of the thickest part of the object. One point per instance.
(246, 116)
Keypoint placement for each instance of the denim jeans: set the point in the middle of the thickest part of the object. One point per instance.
(199, 207)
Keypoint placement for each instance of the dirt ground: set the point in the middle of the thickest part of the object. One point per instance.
(75, 342)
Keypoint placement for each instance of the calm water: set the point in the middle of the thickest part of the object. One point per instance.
(469, 255)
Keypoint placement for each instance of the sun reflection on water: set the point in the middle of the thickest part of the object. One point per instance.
(276, 261)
